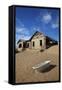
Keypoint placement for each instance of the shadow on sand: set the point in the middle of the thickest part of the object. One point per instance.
(47, 69)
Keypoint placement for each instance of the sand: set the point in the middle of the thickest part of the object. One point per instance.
(27, 59)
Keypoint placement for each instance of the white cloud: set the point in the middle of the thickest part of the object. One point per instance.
(19, 30)
(55, 25)
(22, 33)
(36, 28)
(25, 37)
(19, 23)
(47, 18)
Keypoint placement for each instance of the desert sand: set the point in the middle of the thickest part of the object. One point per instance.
(27, 59)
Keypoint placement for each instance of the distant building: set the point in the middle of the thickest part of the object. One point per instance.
(37, 41)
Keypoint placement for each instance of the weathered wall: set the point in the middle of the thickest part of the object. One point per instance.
(18, 46)
(37, 39)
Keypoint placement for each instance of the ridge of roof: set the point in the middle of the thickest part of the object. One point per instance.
(30, 38)
(35, 34)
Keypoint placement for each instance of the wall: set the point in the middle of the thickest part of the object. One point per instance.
(37, 39)
(19, 49)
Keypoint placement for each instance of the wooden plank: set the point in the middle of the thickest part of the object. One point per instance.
(42, 66)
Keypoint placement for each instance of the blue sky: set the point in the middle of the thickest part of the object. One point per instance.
(29, 20)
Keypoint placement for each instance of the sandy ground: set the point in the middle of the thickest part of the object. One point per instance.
(27, 59)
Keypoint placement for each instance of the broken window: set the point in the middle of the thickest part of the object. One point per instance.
(27, 45)
(20, 45)
(33, 43)
(40, 42)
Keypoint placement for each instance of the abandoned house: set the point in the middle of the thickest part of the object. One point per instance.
(37, 41)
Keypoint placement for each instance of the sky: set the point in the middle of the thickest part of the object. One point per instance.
(30, 20)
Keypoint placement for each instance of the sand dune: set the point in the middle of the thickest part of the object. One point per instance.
(27, 59)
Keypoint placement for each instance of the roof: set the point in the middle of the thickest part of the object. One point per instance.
(36, 33)
(20, 40)
(51, 39)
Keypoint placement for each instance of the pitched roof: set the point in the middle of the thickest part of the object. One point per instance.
(20, 40)
(51, 39)
(36, 33)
